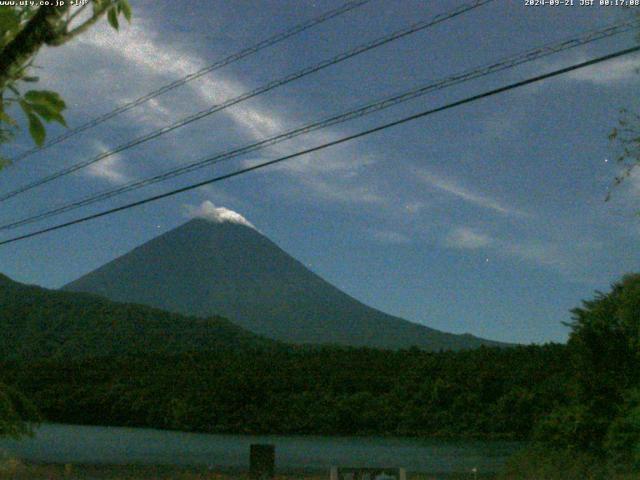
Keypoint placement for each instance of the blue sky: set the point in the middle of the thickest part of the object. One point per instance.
(488, 218)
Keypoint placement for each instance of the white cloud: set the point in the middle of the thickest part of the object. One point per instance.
(467, 239)
(619, 70)
(479, 200)
(560, 256)
(209, 211)
(330, 176)
(333, 190)
(541, 253)
(159, 60)
(109, 169)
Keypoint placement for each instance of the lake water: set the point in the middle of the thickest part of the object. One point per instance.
(111, 445)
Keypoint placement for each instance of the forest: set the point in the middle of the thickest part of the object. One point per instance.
(577, 403)
(329, 390)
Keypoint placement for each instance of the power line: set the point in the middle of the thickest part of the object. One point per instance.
(368, 108)
(268, 42)
(416, 27)
(330, 144)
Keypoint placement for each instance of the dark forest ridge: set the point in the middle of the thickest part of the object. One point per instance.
(39, 323)
(224, 266)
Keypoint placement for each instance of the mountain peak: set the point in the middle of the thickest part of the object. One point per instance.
(208, 211)
(214, 265)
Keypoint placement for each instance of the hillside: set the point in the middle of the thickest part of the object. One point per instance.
(41, 323)
(228, 268)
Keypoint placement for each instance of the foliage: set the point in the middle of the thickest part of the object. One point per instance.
(598, 431)
(579, 403)
(605, 349)
(545, 463)
(17, 414)
(303, 390)
(573, 428)
(622, 442)
(83, 359)
(37, 323)
(24, 29)
(40, 323)
(626, 137)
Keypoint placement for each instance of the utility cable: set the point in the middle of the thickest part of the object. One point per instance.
(268, 42)
(416, 27)
(348, 138)
(371, 107)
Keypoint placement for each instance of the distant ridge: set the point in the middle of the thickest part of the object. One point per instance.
(6, 281)
(37, 323)
(225, 267)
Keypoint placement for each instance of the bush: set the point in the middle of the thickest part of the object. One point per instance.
(622, 442)
(17, 414)
(540, 462)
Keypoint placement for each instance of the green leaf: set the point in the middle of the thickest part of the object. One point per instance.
(126, 9)
(6, 135)
(9, 20)
(48, 115)
(45, 97)
(7, 119)
(30, 79)
(26, 107)
(36, 129)
(112, 16)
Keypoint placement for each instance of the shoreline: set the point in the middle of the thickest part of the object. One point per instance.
(438, 436)
(15, 469)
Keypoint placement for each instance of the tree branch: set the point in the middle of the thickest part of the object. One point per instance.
(98, 12)
(42, 28)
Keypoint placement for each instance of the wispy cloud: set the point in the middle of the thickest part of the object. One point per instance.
(480, 200)
(466, 238)
(541, 253)
(154, 58)
(331, 176)
(613, 71)
(339, 192)
(109, 169)
(556, 255)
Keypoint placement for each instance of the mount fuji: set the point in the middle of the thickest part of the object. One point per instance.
(219, 264)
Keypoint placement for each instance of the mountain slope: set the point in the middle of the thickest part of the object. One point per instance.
(230, 269)
(39, 323)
